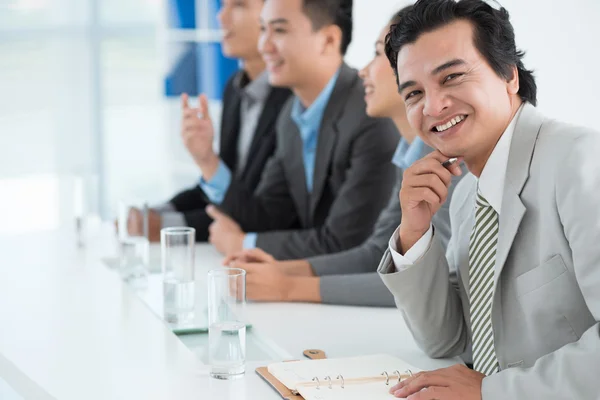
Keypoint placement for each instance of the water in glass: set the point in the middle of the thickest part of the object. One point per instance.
(227, 349)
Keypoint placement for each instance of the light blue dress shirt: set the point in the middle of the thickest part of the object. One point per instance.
(406, 154)
(308, 121)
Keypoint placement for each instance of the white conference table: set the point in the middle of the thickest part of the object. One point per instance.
(70, 329)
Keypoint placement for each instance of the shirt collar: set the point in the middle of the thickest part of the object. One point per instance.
(314, 113)
(406, 154)
(257, 89)
(491, 181)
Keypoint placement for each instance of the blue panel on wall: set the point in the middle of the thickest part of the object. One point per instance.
(197, 67)
(182, 75)
(214, 69)
(213, 8)
(182, 14)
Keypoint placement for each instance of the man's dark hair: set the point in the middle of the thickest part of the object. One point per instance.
(398, 15)
(494, 36)
(336, 12)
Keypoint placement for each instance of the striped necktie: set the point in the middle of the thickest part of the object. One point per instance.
(482, 260)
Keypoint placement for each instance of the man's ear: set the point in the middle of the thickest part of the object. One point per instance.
(513, 83)
(332, 35)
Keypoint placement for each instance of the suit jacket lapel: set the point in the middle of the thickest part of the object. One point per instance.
(517, 172)
(295, 168)
(328, 133)
(230, 130)
(466, 215)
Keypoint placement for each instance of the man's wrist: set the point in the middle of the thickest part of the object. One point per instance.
(407, 238)
(303, 289)
(296, 268)
(209, 166)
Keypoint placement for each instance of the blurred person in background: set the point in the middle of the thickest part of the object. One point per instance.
(247, 140)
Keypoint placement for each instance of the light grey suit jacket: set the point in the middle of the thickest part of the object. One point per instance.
(353, 179)
(350, 277)
(546, 305)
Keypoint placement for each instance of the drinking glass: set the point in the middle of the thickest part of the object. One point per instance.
(177, 259)
(132, 227)
(227, 322)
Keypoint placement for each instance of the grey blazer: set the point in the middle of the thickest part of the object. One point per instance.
(353, 179)
(546, 304)
(350, 277)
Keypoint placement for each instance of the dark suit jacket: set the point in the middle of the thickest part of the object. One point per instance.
(353, 179)
(193, 201)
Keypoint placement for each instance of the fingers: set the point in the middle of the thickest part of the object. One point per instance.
(258, 255)
(431, 166)
(403, 383)
(234, 257)
(203, 107)
(432, 393)
(421, 381)
(454, 169)
(214, 212)
(185, 101)
(250, 268)
(255, 255)
(416, 195)
(432, 182)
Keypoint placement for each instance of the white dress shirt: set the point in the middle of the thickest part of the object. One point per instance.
(490, 184)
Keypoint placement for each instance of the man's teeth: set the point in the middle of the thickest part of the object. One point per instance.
(450, 124)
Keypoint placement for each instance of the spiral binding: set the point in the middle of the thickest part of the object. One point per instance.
(340, 378)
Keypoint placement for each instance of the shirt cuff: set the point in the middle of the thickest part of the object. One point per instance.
(216, 188)
(413, 255)
(172, 219)
(250, 241)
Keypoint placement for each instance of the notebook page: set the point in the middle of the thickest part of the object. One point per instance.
(292, 373)
(370, 391)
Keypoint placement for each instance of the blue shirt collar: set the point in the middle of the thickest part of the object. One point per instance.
(311, 117)
(406, 154)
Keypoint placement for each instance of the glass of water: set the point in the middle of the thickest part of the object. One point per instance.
(134, 246)
(227, 322)
(177, 258)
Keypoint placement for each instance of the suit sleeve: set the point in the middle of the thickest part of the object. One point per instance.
(270, 207)
(366, 190)
(428, 294)
(190, 199)
(570, 372)
(365, 289)
(366, 257)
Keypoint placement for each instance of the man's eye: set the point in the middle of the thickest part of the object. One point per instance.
(451, 77)
(412, 94)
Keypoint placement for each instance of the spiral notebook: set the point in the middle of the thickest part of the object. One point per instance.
(368, 377)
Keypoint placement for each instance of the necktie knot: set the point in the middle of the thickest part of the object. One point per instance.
(481, 201)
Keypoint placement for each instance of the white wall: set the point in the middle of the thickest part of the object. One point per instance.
(561, 39)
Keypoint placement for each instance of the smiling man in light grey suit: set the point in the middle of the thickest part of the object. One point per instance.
(519, 288)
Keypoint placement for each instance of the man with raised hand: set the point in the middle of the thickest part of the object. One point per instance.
(250, 108)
